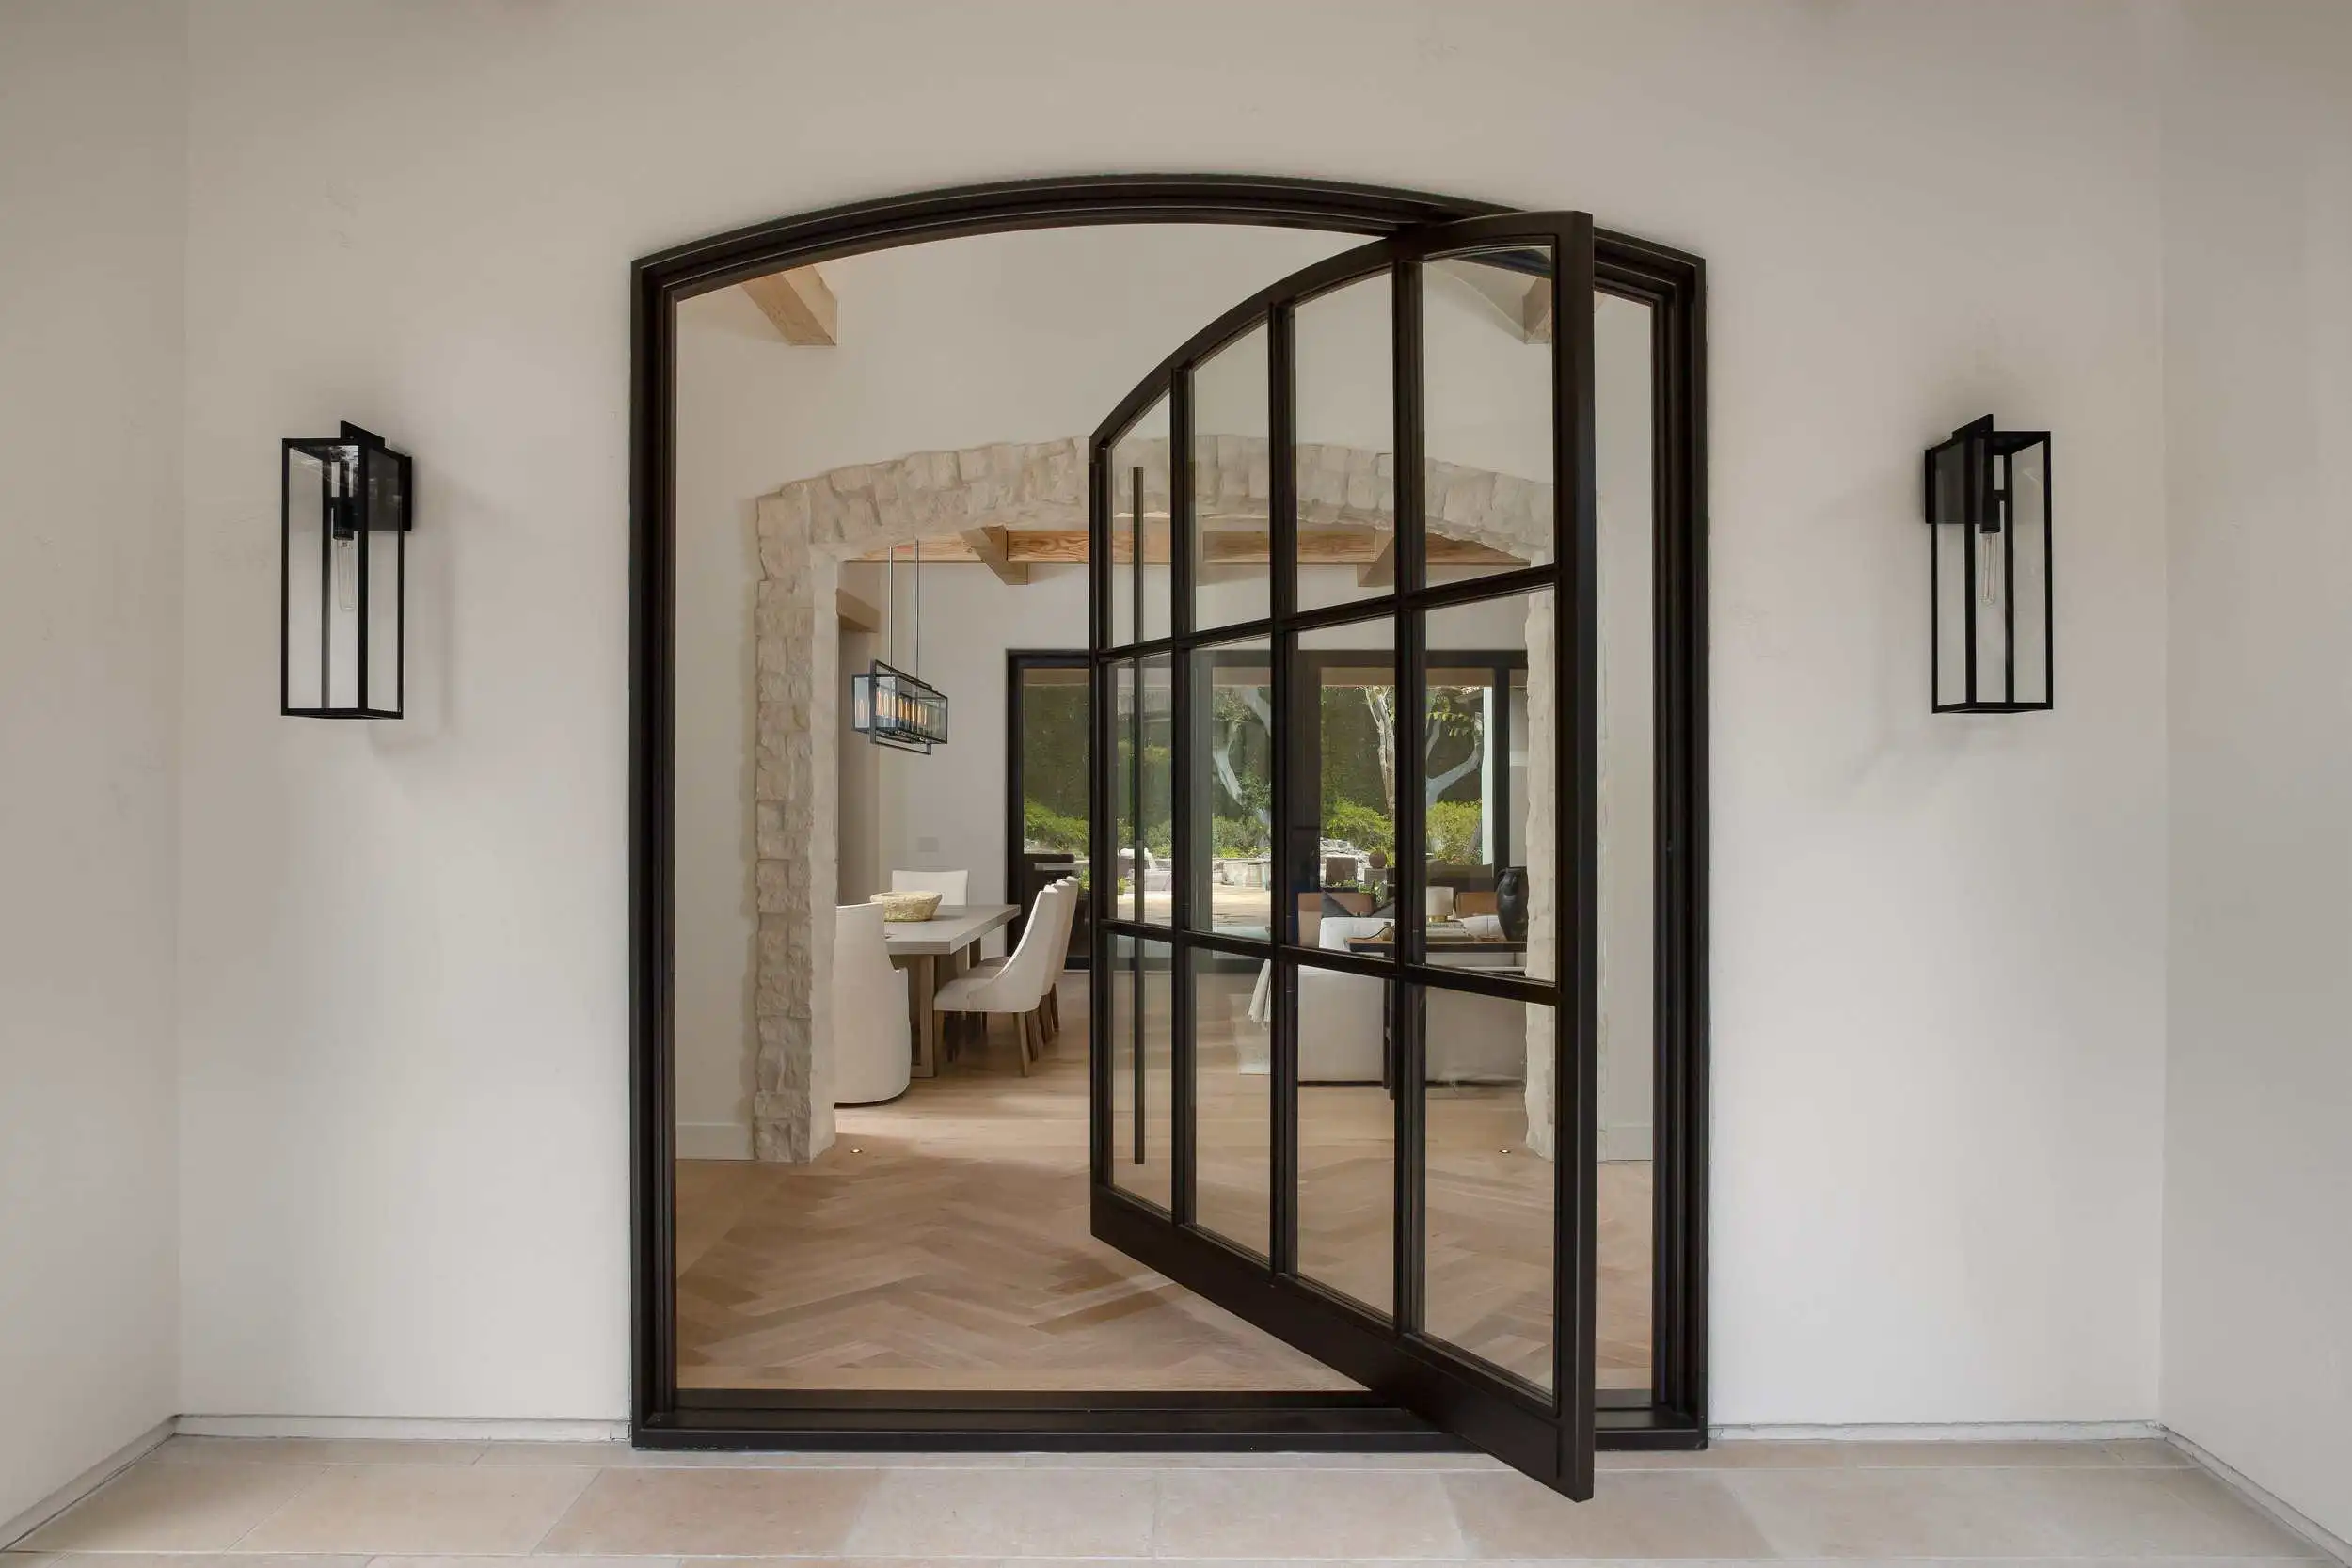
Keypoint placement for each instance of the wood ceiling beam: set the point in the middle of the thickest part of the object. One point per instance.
(799, 305)
(987, 545)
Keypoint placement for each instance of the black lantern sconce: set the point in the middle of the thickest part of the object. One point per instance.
(1989, 596)
(345, 507)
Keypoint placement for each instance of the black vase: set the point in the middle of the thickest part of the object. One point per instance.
(1511, 901)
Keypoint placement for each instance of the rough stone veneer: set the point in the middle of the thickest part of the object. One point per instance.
(806, 530)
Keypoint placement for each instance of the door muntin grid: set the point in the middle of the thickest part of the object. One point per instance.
(1407, 977)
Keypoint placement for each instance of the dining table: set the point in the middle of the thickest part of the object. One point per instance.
(935, 950)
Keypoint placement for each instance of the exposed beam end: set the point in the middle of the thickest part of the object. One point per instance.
(989, 547)
(799, 305)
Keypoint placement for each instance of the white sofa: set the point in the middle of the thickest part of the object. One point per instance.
(1342, 1030)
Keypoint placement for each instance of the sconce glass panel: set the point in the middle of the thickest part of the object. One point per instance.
(1989, 573)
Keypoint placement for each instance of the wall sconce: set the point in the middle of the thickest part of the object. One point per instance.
(1988, 597)
(345, 507)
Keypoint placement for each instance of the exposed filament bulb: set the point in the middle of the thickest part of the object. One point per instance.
(347, 574)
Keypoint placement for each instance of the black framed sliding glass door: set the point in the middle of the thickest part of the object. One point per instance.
(1346, 831)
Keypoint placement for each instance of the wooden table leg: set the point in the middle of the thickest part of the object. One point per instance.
(922, 986)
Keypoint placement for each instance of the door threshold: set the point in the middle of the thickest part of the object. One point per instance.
(1239, 1422)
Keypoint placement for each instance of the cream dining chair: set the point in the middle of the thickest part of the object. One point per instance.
(873, 1048)
(1050, 1007)
(1017, 986)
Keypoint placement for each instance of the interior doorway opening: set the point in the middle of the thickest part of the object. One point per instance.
(1246, 879)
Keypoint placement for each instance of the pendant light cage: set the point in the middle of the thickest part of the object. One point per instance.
(892, 706)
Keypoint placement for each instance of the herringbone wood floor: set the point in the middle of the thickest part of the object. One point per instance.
(942, 1243)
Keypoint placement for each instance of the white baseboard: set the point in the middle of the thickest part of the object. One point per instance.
(714, 1140)
(446, 1428)
(98, 1475)
(2269, 1502)
(1943, 1431)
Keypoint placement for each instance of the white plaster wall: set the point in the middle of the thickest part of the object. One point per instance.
(93, 155)
(2258, 371)
(1939, 943)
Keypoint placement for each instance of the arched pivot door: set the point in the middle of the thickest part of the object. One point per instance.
(1345, 843)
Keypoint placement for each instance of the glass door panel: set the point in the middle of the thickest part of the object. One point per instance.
(1232, 485)
(1232, 1011)
(1140, 1014)
(1488, 1208)
(1345, 460)
(1346, 1136)
(1487, 377)
(1231, 855)
(1490, 785)
(1139, 529)
(1342, 765)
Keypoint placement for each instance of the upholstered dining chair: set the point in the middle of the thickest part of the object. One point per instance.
(873, 1048)
(1060, 956)
(1018, 986)
(1050, 1007)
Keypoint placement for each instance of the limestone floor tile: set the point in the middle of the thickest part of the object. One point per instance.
(2121, 1512)
(895, 1563)
(1468, 1460)
(1020, 1512)
(320, 1450)
(543, 1560)
(1901, 1512)
(1307, 1513)
(421, 1509)
(1633, 1514)
(594, 1456)
(169, 1559)
(2148, 1451)
(1965, 1455)
(176, 1507)
(621, 1456)
(1741, 1453)
(713, 1513)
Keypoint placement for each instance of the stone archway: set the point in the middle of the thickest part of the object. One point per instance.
(807, 528)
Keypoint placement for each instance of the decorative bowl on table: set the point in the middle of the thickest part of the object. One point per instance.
(908, 906)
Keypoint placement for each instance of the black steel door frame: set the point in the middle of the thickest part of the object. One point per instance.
(1672, 282)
